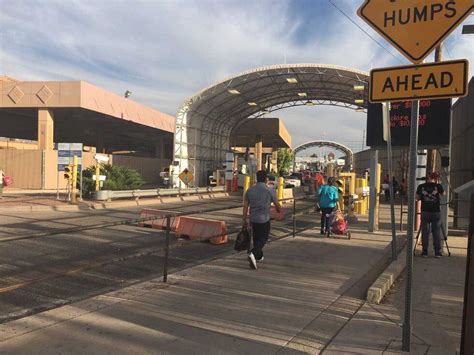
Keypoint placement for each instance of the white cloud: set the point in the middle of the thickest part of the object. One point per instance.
(164, 51)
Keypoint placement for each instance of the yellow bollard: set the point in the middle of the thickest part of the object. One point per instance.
(281, 185)
(246, 183)
(97, 173)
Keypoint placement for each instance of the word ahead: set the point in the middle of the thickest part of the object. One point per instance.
(415, 27)
(414, 82)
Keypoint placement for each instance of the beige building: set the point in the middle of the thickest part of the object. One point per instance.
(43, 113)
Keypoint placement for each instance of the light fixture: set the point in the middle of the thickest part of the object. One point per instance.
(360, 109)
(252, 103)
(302, 94)
(127, 94)
(233, 91)
(292, 80)
(309, 103)
(359, 101)
(359, 87)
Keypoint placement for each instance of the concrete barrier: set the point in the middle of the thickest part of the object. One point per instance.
(158, 223)
(202, 229)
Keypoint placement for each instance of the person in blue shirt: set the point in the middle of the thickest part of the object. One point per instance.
(328, 200)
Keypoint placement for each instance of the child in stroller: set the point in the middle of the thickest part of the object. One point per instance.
(336, 222)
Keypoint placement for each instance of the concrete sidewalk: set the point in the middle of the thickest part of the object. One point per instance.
(307, 296)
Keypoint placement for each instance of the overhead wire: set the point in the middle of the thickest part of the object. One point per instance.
(364, 31)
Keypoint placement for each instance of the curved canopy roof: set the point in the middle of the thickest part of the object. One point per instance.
(255, 92)
(207, 119)
(322, 143)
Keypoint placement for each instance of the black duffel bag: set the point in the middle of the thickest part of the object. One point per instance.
(242, 242)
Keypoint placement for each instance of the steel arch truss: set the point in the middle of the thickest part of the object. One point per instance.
(323, 143)
(205, 121)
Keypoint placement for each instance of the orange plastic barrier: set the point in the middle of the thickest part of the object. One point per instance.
(158, 223)
(279, 216)
(196, 228)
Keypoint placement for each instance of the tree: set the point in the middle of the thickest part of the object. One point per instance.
(314, 155)
(284, 161)
(117, 178)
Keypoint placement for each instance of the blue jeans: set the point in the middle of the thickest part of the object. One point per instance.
(433, 220)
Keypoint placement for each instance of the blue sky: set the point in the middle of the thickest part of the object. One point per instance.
(164, 51)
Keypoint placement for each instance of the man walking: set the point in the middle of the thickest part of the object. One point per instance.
(259, 198)
(429, 194)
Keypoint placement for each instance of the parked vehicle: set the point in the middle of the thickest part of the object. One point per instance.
(298, 176)
(291, 181)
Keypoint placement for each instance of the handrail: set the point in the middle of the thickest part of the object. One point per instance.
(104, 195)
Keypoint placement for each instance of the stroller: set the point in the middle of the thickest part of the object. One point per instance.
(336, 223)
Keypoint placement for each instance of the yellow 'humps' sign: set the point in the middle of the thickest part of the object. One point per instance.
(426, 81)
(415, 27)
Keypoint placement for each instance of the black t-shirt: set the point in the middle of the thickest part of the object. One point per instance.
(430, 194)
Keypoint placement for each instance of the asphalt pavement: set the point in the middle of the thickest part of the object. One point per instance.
(307, 296)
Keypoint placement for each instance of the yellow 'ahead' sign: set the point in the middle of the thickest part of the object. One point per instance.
(414, 82)
(415, 27)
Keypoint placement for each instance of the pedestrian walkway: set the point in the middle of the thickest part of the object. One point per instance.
(307, 296)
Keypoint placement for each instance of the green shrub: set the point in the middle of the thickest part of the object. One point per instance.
(117, 178)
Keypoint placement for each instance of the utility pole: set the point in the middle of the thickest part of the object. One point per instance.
(431, 157)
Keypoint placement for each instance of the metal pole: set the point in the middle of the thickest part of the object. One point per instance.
(57, 184)
(390, 181)
(401, 212)
(80, 192)
(373, 191)
(167, 249)
(406, 334)
(467, 340)
(294, 218)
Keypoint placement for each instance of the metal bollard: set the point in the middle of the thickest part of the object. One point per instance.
(167, 249)
(294, 218)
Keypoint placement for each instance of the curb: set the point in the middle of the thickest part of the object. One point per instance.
(84, 206)
(385, 281)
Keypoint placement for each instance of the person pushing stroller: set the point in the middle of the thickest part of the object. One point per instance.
(328, 198)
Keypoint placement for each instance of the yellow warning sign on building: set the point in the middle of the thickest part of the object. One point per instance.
(414, 82)
(186, 176)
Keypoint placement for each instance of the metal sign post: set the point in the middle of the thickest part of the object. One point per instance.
(415, 37)
(406, 336)
(388, 138)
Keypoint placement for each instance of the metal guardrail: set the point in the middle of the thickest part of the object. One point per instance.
(107, 195)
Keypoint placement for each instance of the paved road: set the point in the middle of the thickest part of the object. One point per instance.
(301, 297)
(48, 271)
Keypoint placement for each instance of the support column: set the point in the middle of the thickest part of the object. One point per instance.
(45, 129)
(258, 153)
(274, 160)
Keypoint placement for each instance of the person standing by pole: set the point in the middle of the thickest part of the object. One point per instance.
(259, 199)
(2, 175)
(429, 194)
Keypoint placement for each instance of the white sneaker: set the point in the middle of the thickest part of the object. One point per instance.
(263, 258)
(252, 261)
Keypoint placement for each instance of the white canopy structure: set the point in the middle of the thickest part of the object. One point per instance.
(206, 120)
